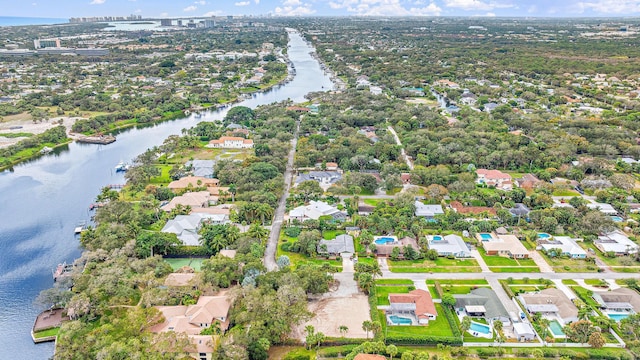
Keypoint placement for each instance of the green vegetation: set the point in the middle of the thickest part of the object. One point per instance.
(46, 333)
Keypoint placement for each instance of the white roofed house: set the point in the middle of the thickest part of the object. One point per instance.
(315, 210)
(231, 142)
(603, 208)
(342, 244)
(186, 227)
(551, 303)
(428, 211)
(563, 244)
(449, 245)
(616, 242)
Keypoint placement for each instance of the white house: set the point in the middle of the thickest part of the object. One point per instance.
(496, 178)
(186, 227)
(603, 207)
(616, 242)
(315, 210)
(448, 245)
(231, 142)
(428, 211)
(565, 244)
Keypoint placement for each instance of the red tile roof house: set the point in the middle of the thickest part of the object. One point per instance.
(495, 178)
(369, 357)
(417, 303)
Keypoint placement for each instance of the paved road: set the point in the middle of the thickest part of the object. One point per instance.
(500, 276)
(278, 216)
(402, 152)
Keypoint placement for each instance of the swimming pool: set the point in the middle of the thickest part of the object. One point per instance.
(436, 238)
(480, 328)
(399, 320)
(616, 218)
(617, 317)
(486, 236)
(384, 240)
(556, 328)
(543, 236)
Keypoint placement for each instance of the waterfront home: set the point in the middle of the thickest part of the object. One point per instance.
(551, 303)
(449, 245)
(616, 242)
(384, 248)
(417, 305)
(503, 245)
(482, 302)
(230, 142)
(186, 227)
(561, 246)
(428, 211)
(198, 199)
(341, 244)
(495, 178)
(315, 210)
(192, 182)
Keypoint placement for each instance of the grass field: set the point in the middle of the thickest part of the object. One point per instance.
(177, 263)
(382, 292)
(394, 282)
(460, 289)
(46, 333)
(458, 282)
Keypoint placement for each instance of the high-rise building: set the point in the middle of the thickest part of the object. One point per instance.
(166, 22)
(46, 43)
(209, 23)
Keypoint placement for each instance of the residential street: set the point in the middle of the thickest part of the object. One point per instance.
(402, 152)
(278, 216)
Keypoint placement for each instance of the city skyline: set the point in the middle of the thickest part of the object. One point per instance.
(191, 8)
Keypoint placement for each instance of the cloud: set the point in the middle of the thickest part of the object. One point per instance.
(243, 3)
(213, 13)
(201, 2)
(294, 10)
(430, 10)
(386, 8)
(97, 2)
(138, 11)
(611, 6)
(190, 8)
(292, 3)
(256, 1)
(475, 4)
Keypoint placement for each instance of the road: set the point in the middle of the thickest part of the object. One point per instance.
(402, 152)
(501, 276)
(278, 216)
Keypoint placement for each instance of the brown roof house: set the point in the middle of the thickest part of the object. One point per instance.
(495, 178)
(386, 248)
(623, 300)
(552, 303)
(198, 199)
(193, 182)
(417, 306)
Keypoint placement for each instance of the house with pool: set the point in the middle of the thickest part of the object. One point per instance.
(616, 242)
(561, 246)
(506, 245)
(553, 305)
(414, 308)
(481, 303)
(386, 244)
(449, 245)
(428, 211)
(618, 304)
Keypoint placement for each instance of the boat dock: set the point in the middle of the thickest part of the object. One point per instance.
(98, 139)
(47, 320)
(115, 186)
(62, 270)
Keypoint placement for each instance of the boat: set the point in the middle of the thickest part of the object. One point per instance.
(82, 226)
(46, 150)
(121, 167)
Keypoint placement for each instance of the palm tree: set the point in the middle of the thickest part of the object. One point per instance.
(258, 232)
(367, 326)
(233, 189)
(584, 312)
(465, 324)
(544, 327)
(343, 330)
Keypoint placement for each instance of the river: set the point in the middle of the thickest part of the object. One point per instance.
(43, 200)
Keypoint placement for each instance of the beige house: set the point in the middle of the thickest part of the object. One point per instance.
(550, 302)
(503, 245)
(198, 199)
(231, 142)
(496, 178)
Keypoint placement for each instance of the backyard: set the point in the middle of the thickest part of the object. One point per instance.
(438, 327)
(440, 265)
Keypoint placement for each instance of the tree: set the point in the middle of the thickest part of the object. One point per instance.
(343, 330)
(584, 312)
(233, 189)
(392, 350)
(579, 331)
(365, 282)
(367, 326)
(596, 340)
(309, 189)
(283, 261)
(432, 254)
(448, 300)
(465, 324)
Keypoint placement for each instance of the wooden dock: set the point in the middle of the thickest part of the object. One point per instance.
(98, 139)
(46, 320)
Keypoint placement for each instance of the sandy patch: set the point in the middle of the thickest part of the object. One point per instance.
(28, 126)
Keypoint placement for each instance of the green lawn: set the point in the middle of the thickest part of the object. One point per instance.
(382, 292)
(565, 192)
(440, 265)
(394, 282)
(453, 269)
(164, 177)
(530, 269)
(459, 289)
(331, 234)
(458, 282)
(373, 202)
(438, 327)
(177, 263)
(569, 265)
(46, 333)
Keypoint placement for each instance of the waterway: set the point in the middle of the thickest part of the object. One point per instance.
(42, 201)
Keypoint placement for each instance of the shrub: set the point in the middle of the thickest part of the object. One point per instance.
(292, 231)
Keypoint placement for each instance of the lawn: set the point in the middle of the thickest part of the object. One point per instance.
(177, 263)
(569, 265)
(438, 327)
(331, 234)
(373, 202)
(394, 282)
(164, 177)
(382, 292)
(459, 289)
(530, 269)
(565, 192)
(459, 282)
(441, 264)
(46, 333)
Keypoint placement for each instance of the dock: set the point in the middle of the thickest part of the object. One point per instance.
(47, 320)
(62, 270)
(98, 139)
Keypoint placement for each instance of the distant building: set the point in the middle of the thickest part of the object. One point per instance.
(46, 43)
(166, 22)
(231, 142)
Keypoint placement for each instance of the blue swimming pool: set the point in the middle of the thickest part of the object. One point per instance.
(616, 218)
(437, 237)
(480, 328)
(618, 317)
(384, 240)
(486, 237)
(556, 328)
(399, 320)
(543, 236)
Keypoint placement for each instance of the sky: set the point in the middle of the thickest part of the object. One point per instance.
(192, 8)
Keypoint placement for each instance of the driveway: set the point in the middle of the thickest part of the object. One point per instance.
(483, 265)
(541, 262)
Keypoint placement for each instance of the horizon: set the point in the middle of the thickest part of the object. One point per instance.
(328, 8)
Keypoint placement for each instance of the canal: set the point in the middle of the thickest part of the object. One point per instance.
(43, 200)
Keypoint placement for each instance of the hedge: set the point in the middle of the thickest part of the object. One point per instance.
(507, 288)
(187, 251)
(373, 312)
(453, 324)
(424, 340)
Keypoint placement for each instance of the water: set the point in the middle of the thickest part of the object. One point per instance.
(486, 236)
(617, 317)
(19, 21)
(399, 320)
(556, 328)
(43, 200)
(384, 240)
(480, 328)
(543, 236)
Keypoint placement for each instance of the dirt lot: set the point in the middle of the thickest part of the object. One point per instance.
(342, 306)
(28, 126)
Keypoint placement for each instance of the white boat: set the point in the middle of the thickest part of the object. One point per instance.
(46, 150)
(82, 226)
(121, 167)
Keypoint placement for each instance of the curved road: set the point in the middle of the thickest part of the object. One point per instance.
(278, 216)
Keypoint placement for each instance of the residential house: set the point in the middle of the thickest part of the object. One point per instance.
(489, 107)
(417, 303)
(384, 250)
(179, 279)
(365, 210)
(468, 98)
(192, 182)
(524, 331)
(449, 245)
(482, 302)
(231, 142)
(504, 245)
(528, 181)
(315, 210)
(495, 178)
(616, 242)
(428, 211)
(331, 166)
(447, 83)
(406, 178)
(520, 210)
(340, 245)
(552, 303)
(198, 199)
(623, 300)
(375, 90)
(563, 244)
(371, 135)
(202, 168)
(606, 209)
(186, 227)
(325, 178)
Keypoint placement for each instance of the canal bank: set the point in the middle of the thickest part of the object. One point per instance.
(44, 199)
